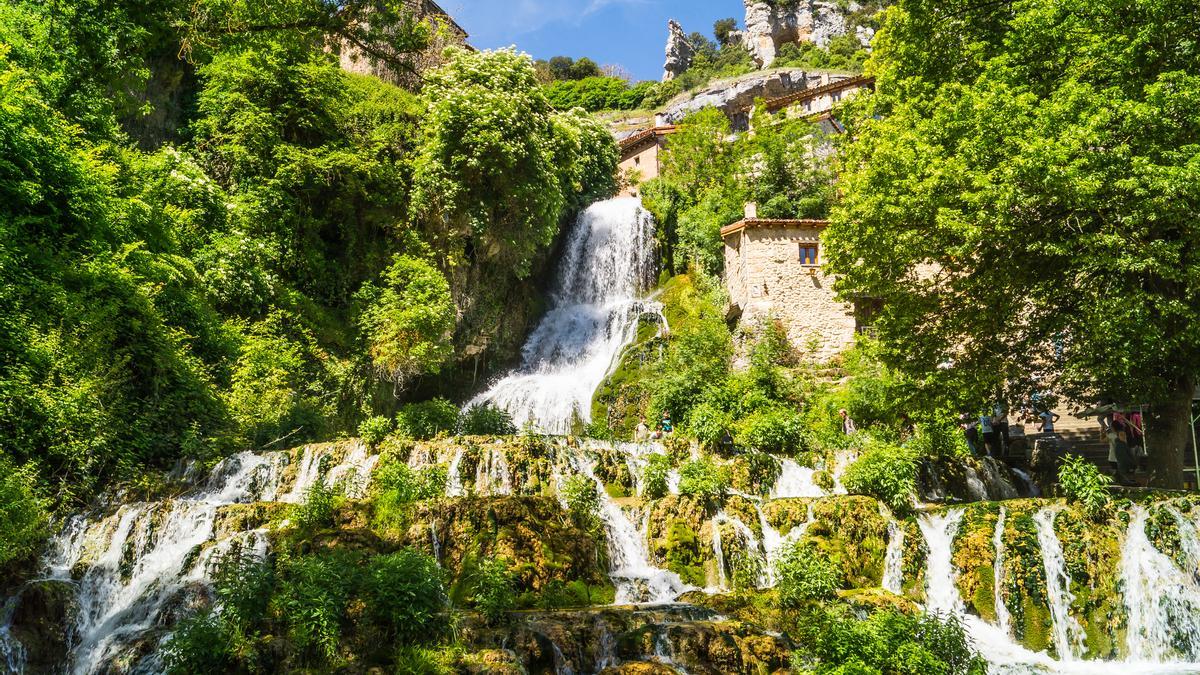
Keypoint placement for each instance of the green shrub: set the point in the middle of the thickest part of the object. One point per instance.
(887, 642)
(708, 422)
(243, 583)
(199, 644)
(939, 441)
(886, 472)
(583, 501)
(486, 420)
(312, 599)
(316, 511)
(804, 573)
(23, 518)
(1083, 484)
(412, 660)
(374, 429)
(404, 592)
(762, 471)
(493, 588)
(775, 430)
(703, 478)
(397, 483)
(655, 477)
(425, 420)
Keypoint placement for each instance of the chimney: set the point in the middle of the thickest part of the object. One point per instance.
(660, 119)
(751, 211)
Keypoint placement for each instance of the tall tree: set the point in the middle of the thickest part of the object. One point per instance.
(1021, 193)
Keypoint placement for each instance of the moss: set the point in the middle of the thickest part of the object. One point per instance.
(851, 531)
(975, 556)
(683, 553)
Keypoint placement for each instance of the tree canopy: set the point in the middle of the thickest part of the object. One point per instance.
(1020, 193)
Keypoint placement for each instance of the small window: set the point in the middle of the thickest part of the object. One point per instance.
(808, 254)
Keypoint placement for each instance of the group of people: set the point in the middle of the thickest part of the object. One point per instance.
(663, 429)
(993, 434)
(1126, 438)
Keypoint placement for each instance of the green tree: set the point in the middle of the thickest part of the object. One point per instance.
(408, 324)
(723, 29)
(1020, 193)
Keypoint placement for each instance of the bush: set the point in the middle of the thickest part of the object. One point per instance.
(243, 583)
(316, 511)
(312, 600)
(775, 430)
(655, 477)
(23, 518)
(404, 592)
(939, 441)
(374, 429)
(1083, 484)
(199, 644)
(762, 471)
(888, 642)
(805, 573)
(397, 483)
(708, 422)
(703, 478)
(886, 472)
(583, 501)
(486, 420)
(492, 586)
(425, 420)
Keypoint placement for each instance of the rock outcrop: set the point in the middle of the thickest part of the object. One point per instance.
(770, 25)
(679, 52)
(734, 96)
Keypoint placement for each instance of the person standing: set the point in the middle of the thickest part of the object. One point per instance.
(642, 433)
(1118, 436)
(1000, 426)
(989, 434)
(665, 425)
(1048, 417)
(970, 427)
(848, 427)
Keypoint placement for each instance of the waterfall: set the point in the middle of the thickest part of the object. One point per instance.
(893, 559)
(454, 486)
(841, 462)
(492, 477)
(607, 264)
(437, 545)
(719, 555)
(142, 559)
(12, 652)
(1162, 600)
(1003, 619)
(636, 580)
(1068, 634)
(794, 481)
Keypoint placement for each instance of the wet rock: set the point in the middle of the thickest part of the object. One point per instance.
(41, 623)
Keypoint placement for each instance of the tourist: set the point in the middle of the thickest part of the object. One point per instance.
(642, 433)
(1118, 447)
(726, 441)
(664, 425)
(1000, 425)
(970, 427)
(848, 427)
(1137, 439)
(1048, 417)
(989, 434)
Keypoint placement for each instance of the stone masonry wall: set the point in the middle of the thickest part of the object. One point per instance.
(765, 278)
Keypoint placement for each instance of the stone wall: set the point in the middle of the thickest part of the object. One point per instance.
(645, 163)
(766, 278)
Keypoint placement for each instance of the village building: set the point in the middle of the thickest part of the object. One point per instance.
(773, 271)
(640, 157)
(444, 32)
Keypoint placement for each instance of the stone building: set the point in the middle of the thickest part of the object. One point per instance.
(640, 157)
(445, 33)
(773, 271)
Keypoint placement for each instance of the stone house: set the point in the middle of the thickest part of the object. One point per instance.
(773, 271)
(445, 33)
(640, 157)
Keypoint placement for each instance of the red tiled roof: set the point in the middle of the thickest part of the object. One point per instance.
(645, 134)
(806, 94)
(772, 222)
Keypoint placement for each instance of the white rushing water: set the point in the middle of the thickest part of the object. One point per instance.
(795, 481)
(1069, 639)
(607, 264)
(1163, 601)
(893, 559)
(136, 561)
(1003, 618)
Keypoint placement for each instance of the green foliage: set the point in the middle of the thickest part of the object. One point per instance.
(597, 93)
(492, 163)
(886, 472)
(405, 593)
(583, 501)
(998, 147)
(313, 600)
(374, 429)
(888, 642)
(23, 518)
(394, 482)
(425, 420)
(844, 52)
(703, 478)
(198, 644)
(805, 573)
(493, 592)
(486, 419)
(1083, 484)
(408, 323)
(774, 430)
(317, 509)
(655, 476)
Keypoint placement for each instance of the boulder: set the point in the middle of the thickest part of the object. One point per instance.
(679, 52)
(770, 25)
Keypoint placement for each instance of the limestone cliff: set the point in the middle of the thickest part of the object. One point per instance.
(679, 51)
(770, 24)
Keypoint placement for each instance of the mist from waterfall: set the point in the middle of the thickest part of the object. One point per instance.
(607, 264)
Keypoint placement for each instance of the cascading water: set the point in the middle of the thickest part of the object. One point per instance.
(719, 555)
(607, 264)
(893, 559)
(135, 562)
(795, 481)
(1003, 618)
(12, 652)
(1068, 634)
(1162, 600)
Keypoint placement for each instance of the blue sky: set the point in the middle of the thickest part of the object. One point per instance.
(632, 33)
